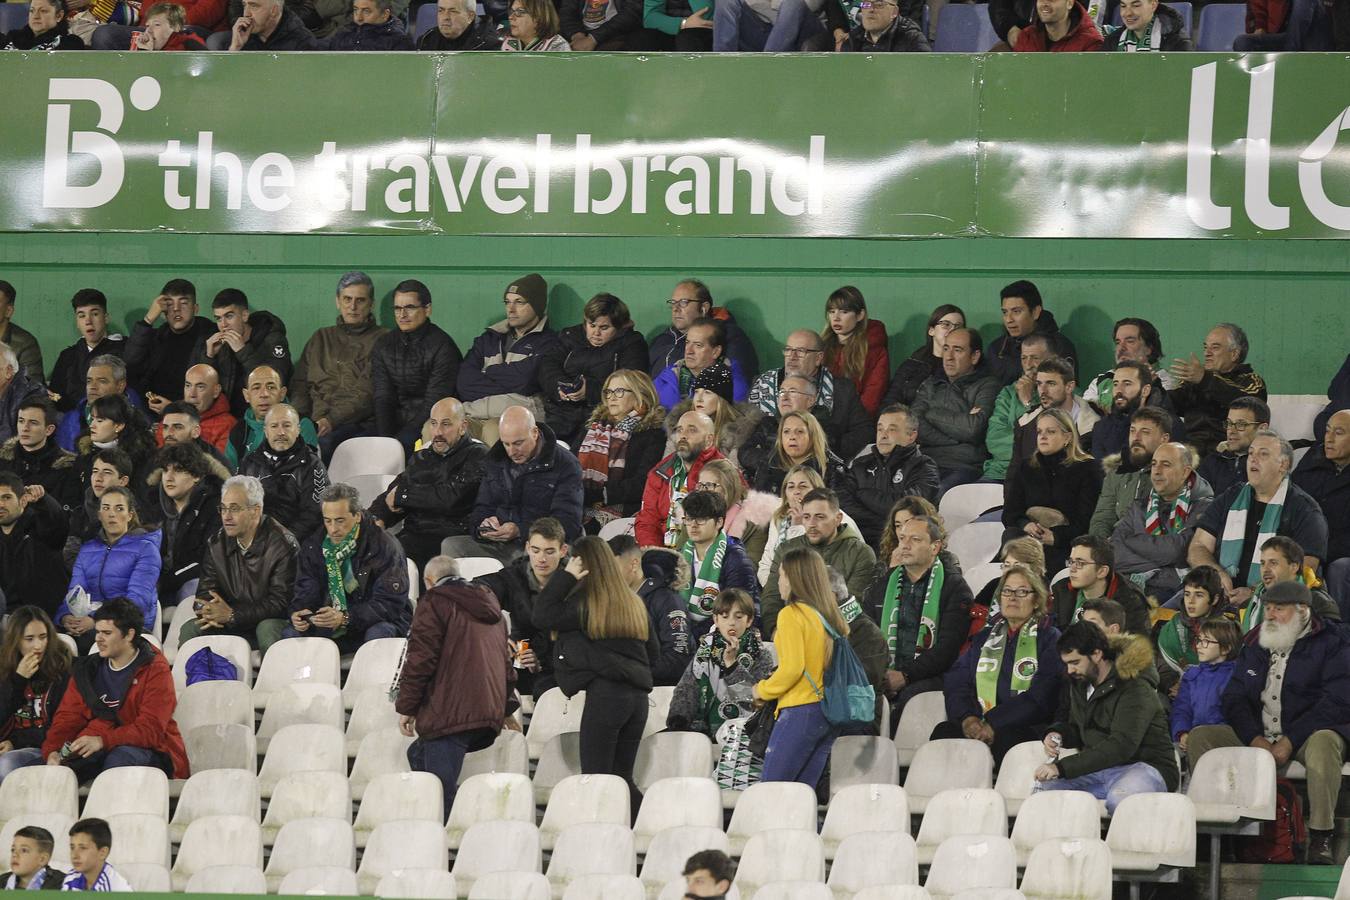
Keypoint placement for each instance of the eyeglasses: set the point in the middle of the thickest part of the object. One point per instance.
(700, 522)
(1205, 642)
(1231, 425)
(407, 310)
(516, 12)
(1076, 564)
(233, 510)
(678, 303)
(1016, 593)
(714, 486)
(799, 351)
(615, 393)
(789, 393)
(875, 4)
(942, 324)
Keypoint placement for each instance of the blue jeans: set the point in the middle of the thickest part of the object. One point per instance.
(1338, 584)
(799, 746)
(736, 27)
(1112, 785)
(442, 757)
(18, 759)
(795, 25)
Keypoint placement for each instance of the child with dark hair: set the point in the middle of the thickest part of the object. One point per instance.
(1202, 597)
(708, 874)
(90, 844)
(29, 858)
(1200, 698)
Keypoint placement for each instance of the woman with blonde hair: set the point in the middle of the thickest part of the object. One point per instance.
(606, 647)
(785, 523)
(723, 478)
(801, 441)
(34, 672)
(1024, 550)
(534, 26)
(624, 438)
(802, 737)
(855, 346)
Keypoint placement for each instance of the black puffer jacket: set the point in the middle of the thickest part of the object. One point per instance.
(411, 371)
(381, 572)
(547, 485)
(920, 366)
(30, 558)
(573, 357)
(903, 36)
(435, 494)
(183, 545)
(578, 660)
(871, 483)
(266, 346)
(292, 481)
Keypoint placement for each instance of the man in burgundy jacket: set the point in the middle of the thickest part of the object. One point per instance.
(1061, 26)
(674, 477)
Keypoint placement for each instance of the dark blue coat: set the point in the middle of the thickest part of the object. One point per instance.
(1033, 707)
(1331, 490)
(549, 485)
(1200, 698)
(386, 36)
(1316, 693)
(489, 368)
(381, 572)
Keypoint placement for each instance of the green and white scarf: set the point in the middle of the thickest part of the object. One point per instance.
(1106, 389)
(1151, 39)
(928, 618)
(1235, 526)
(990, 663)
(337, 563)
(1254, 612)
(702, 593)
(679, 489)
(1176, 642)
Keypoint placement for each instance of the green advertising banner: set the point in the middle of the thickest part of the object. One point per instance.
(895, 145)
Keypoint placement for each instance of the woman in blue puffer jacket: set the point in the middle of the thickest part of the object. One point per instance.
(122, 561)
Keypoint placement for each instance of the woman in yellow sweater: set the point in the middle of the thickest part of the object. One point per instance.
(802, 738)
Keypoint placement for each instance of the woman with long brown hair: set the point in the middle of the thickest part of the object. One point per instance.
(926, 361)
(605, 647)
(855, 346)
(802, 737)
(34, 672)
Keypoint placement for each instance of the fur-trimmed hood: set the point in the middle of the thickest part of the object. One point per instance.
(758, 507)
(60, 459)
(216, 468)
(668, 568)
(1134, 656)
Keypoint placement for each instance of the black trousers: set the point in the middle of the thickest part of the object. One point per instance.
(611, 729)
(1004, 739)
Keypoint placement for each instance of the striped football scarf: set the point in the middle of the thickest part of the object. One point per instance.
(1235, 526)
(1155, 524)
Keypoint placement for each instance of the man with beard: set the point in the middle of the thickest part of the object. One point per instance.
(1207, 388)
(1150, 541)
(1135, 340)
(1133, 386)
(670, 481)
(1227, 465)
(1116, 721)
(1013, 402)
(1290, 696)
(1127, 473)
(1054, 387)
(291, 472)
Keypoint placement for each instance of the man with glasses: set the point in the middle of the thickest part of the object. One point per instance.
(501, 369)
(881, 29)
(716, 561)
(159, 356)
(1207, 388)
(705, 348)
(836, 404)
(244, 340)
(1227, 465)
(290, 471)
(248, 573)
(1092, 576)
(691, 300)
(332, 383)
(412, 367)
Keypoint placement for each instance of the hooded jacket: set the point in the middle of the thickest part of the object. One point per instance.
(951, 435)
(411, 372)
(247, 435)
(872, 483)
(578, 659)
(30, 557)
(72, 368)
(19, 389)
(1137, 551)
(389, 35)
(256, 583)
(1004, 355)
(1033, 708)
(1052, 481)
(1204, 405)
(143, 719)
(953, 626)
(51, 467)
(183, 544)
(129, 567)
(665, 574)
(845, 553)
(1123, 722)
(157, 357)
(1174, 36)
(266, 346)
(667, 348)
(333, 378)
(901, 36)
(1063, 603)
(1122, 485)
(436, 494)
(381, 572)
(877, 363)
(457, 670)
(1200, 698)
(1083, 36)
(649, 525)
(572, 357)
(491, 367)
(292, 480)
(549, 484)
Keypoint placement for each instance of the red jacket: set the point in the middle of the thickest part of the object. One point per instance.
(1083, 36)
(179, 40)
(1267, 15)
(217, 422)
(208, 14)
(144, 719)
(876, 375)
(650, 527)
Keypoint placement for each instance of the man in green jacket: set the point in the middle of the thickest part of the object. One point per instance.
(1013, 402)
(1116, 721)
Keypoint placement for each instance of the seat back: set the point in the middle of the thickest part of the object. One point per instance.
(920, 716)
(426, 20)
(1048, 815)
(515, 885)
(964, 28)
(772, 805)
(307, 843)
(230, 646)
(674, 803)
(366, 456)
(965, 503)
(606, 887)
(1016, 774)
(1220, 25)
(672, 754)
(863, 808)
(976, 542)
(946, 764)
(372, 711)
(592, 848)
(129, 789)
(381, 752)
(399, 795)
(560, 760)
(431, 884)
(225, 880)
(402, 845)
(39, 789)
(222, 747)
(490, 797)
(296, 660)
(963, 811)
(863, 759)
(307, 795)
(147, 878)
(497, 847)
(1159, 825)
(217, 841)
(582, 799)
(1242, 778)
(323, 880)
(373, 668)
(508, 753)
(139, 838)
(554, 713)
(970, 862)
(471, 567)
(780, 854)
(1069, 867)
(871, 858)
(302, 748)
(215, 792)
(313, 703)
(669, 849)
(214, 703)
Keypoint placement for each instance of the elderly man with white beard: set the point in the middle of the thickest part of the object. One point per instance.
(1290, 696)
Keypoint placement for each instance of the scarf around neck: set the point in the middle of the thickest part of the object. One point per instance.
(718, 700)
(705, 584)
(337, 563)
(1235, 527)
(1151, 39)
(928, 616)
(604, 449)
(1154, 522)
(990, 664)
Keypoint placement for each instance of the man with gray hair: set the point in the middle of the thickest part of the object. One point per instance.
(15, 388)
(1208, 388)
(892, 467)
(248, 571)
(353, 581)
(291, 472)
(458, 28)
(833, 401)
(105, 375)
(270, 25)
(332, 383)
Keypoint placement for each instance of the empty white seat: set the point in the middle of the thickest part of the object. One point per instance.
(182, 614)
(591, 848)
(560, 760)
(863, 759)
(292, 660)
(321, 880)
(1230, 784)
(303, 703)
(58, 824)
(771, 804)
(138, 838)
(214, 703)
(965, 503)
(511, 886)
(490, 797)
(373, 711)
(508, 753)
(668, 851)
(946, 764)
(1152, 831)
(616, 527)
(1068, 867)
(870, 858)
(226, 880)
(306, 795)
(1049, 815)
(304, 843)
(979, 576)
(373, 668)
(971, 811)
(976, 542)
(554, 713)
(39, 789)
(231, 646)
(221, 747)
(129, 789)
(471, 567)
(216, 792)
(780, 854)
(1292, 415)
(582, 799)
(864, 807)
(894, 892)
(920, 716)
(399, 795)
(302, 748)
(970, 862)
(658, 708)
(794, 890)
(605, 887)
(382, 752)
(1016, 774)
(217, 841)
(401, 845)
(146, 878)
(672, 754)
(366, 456)
(490, 847)
(676, 802)
(416, 884)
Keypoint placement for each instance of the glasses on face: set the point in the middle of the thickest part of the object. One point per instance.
(1076, 564)
(714, 486)
(943, 324)
(232, 510)
(615, 393)
(789, 393)
(799, 351)
(1206, 642)
(407, 310)
(1016, 593)
(1232, 425)
(677, 303)
(516, 13)
(698, 522)
(875, 4)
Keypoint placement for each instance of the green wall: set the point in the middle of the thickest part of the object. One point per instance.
(1293, 297)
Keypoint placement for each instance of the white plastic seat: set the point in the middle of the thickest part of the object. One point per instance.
(605, 887)
(554, 713)
(976, 542)
(217, 841)
(616, 527)
(401, 845)
(862, 808)
(672, 754)
(306, 843)
(490, 847)
(221, 747)
(668, 850)
(980, 575)
(297, 660)
(319, 880)
(366, 456)
(490, 797)
(231, 646)
(990, 894)
(794, 890)
(129, 789)
(373, 668)
(146, 878)
(560, 760)
(39, 789)
(1292, 415)
(302, 748)
(215, 792)
(372, 711)
(946, 764)
(508, 753)
(894, 892)
(182, 614)
(139, 838)
(961, 812)
(471, 567)
(965, 503)
(674, 890)
(417, 884)
(658, 708)
(1149, 832)
(1068, 867)
(415, 796)
(1230, 784)
(1016, 774)
(863, 759)
(58, 824)
(1051, 815)
(383, 752)
(214, 703)
(920, 716)
(511, 886)
(585, 799)
(674, 803)
(227, 880)
(971, 862)
(771, 804)
(414, 584)
(590, 848)
(300, 704)
(870, 858)
(781, 854)
(306, 795)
